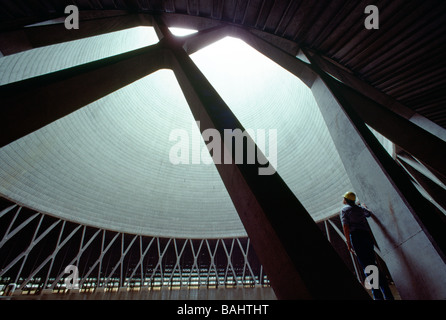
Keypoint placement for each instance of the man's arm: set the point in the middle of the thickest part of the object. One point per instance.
(366, 210)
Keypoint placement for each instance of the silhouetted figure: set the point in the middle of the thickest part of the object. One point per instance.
(360, 241)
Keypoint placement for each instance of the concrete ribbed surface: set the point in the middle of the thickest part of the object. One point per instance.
(107, 165)
(263, 95)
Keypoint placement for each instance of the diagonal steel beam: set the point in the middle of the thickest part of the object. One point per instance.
(403, 219)
(229, 265)
(420, 143)
(159, 264)
(6, 210)
(30, 104)
(51, 257)
(99, 260)
(178, 255)
(289, 244)
(82, 249)
(33, 242)
(9, 234)
(121, 259)
(22, 39)
(195, 255)
(246, 263)
(201, 39)
(212, 254)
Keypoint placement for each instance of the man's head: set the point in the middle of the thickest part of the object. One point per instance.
(349, 198)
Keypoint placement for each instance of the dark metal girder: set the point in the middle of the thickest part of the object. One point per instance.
(30, 104)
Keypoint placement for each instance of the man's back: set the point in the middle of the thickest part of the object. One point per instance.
(355, 217)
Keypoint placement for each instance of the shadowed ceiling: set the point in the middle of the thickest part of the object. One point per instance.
(404, 58)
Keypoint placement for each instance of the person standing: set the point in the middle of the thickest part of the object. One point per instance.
(360, 241)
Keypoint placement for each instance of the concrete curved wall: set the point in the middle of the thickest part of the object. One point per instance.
(107, 164)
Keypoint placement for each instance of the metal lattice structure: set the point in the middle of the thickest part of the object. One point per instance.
(36, 248)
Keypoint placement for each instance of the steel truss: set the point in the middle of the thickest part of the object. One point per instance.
(35, 249)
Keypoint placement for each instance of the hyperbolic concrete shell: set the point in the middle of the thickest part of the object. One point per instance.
(107, 164)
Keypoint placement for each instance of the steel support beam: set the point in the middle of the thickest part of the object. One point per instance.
(380, 111)
(431, 149)
(82, 248)
(212, 255)
(51, 257)
(195, 254)
(229, 265)
(178, 254)
(120, 261)
(420, 143)
(99, 260)
(26, 252)
(279, 227)
(96, 253)
(30, 104)
(436, 192)
(246, 261)
(201, 39)
(6, 210)
(409, 130)
(404, 223)
(289, 62)
(161, 253)
(142, 255)
(289, 245)
(27, 38)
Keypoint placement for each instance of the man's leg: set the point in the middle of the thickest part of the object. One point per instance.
(363, 246)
